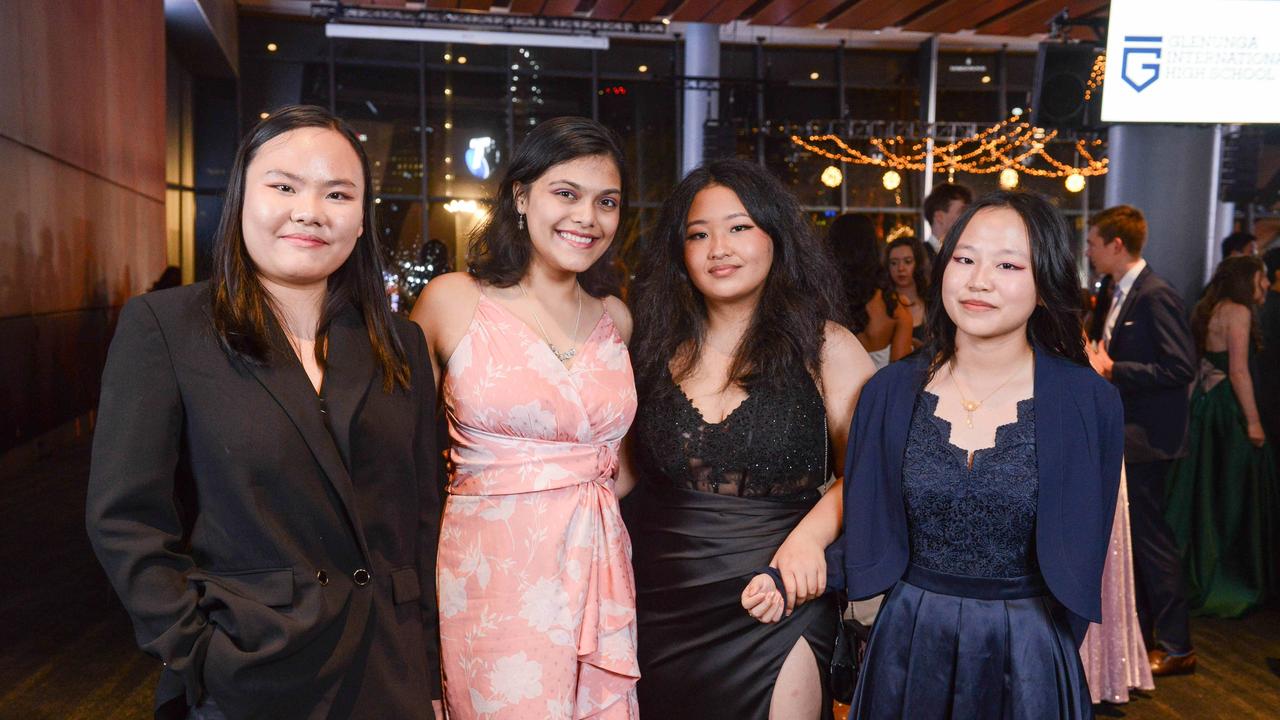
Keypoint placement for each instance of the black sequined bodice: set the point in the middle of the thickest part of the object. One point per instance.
(772, 446)
(977, 521)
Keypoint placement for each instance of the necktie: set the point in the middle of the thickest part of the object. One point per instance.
(1117, 299)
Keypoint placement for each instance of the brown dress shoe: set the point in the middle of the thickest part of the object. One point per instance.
(1163, 664)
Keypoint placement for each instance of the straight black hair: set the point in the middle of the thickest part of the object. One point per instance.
(243, 310)
(499, 251)
(801, 292)
(1056, 324)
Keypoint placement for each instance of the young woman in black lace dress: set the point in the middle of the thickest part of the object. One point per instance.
(742, 366)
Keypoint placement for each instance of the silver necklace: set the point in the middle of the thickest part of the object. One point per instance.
(567, 355)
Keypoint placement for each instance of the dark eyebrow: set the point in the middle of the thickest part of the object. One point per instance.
(343, 182)
(576, 186)
(730, 216)
(1002, 251)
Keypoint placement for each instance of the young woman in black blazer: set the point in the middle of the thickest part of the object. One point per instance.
(262, 494)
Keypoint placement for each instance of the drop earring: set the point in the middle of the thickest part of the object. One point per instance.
(520, 221)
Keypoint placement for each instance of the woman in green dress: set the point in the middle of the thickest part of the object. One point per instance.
(1222, 495)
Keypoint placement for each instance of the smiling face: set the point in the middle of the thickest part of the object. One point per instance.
(988, 287)
(302, 207)
(726, 254)
(902, 266)
(572, 212)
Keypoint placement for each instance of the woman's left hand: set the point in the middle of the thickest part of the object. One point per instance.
(762, 600)
(803, 565)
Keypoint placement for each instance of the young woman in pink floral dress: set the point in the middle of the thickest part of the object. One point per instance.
(537, 598)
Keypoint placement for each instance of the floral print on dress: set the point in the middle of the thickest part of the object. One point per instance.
(537, 596)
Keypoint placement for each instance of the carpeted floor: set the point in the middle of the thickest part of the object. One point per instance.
(67, 650)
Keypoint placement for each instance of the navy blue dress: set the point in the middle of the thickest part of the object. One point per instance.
(971, 630)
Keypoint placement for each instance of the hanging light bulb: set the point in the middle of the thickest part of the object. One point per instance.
(1008, 178)
(891, 180)
(832, 177)
(1074, 182)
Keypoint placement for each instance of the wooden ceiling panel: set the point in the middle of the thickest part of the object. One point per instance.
(777, 11)
(609, 9)
(475, 5)
(527, 7)
(711, 11)
(812, 12)
(877, 14)
(1034, 18)
(959, 15)
(643, 10)
(559, 8)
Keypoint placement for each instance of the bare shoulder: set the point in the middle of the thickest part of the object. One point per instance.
(444, 310)
(843, 354)
(1234, 313)
(620, 316)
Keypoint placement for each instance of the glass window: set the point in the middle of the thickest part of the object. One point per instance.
(625, 57)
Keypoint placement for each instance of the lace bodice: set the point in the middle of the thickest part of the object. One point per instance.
(772, 446)
(980, 520)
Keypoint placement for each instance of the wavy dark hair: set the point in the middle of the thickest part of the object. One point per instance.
(1234, 281)
(499, 251)
(920, 276)
(856, 248)
(801, 291)
(1056, 324)
(243, 311)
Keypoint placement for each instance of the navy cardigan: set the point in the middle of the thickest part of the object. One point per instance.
(1079, 446)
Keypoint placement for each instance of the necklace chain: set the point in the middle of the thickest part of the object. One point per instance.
(972, 406)
(566, 355)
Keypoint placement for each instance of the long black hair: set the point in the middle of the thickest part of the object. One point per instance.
(1234, 280)
(242, 309)
(499, 251)
(856, 248)
(801, 292)
(1056, 324)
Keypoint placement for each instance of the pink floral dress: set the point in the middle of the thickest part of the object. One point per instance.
(537, 596)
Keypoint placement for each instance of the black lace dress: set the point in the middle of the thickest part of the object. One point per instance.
(971, 630)
(713, 504)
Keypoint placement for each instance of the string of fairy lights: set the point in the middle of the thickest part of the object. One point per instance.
(1009, 147)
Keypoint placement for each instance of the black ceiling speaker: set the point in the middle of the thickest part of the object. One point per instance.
(1061, 97)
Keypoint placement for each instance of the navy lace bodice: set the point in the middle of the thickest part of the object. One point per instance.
(977, 521)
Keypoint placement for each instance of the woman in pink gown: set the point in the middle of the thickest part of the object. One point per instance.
(1114, 656)
(537, 596)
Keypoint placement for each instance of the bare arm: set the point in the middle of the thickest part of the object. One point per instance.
(444, 311)
(801, 559)
(1239, 322)
(901, 345)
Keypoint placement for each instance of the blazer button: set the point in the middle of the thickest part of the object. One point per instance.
(360, 577)
(322, 577)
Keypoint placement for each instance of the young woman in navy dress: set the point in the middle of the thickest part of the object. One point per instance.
(982, 476)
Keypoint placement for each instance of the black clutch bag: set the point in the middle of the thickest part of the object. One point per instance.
(846, 659)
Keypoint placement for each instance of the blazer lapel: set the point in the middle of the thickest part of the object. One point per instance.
(349, 372)
(1051, 403)
(1127, 305)
(288, 383)
(902, 403)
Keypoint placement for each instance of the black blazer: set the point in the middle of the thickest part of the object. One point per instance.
(1078, 455)
(276, 553)
(1155, 364)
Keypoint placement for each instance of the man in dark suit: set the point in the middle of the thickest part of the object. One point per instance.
(1141, 342)
(941, 210)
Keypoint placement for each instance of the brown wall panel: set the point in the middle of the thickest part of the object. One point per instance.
(92, 79)
(82, 143)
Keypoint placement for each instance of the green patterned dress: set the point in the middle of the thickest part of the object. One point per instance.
(1222, 503)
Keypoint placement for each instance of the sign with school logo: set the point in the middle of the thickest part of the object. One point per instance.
(1192, 61)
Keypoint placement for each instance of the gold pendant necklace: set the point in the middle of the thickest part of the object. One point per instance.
(972, 406)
